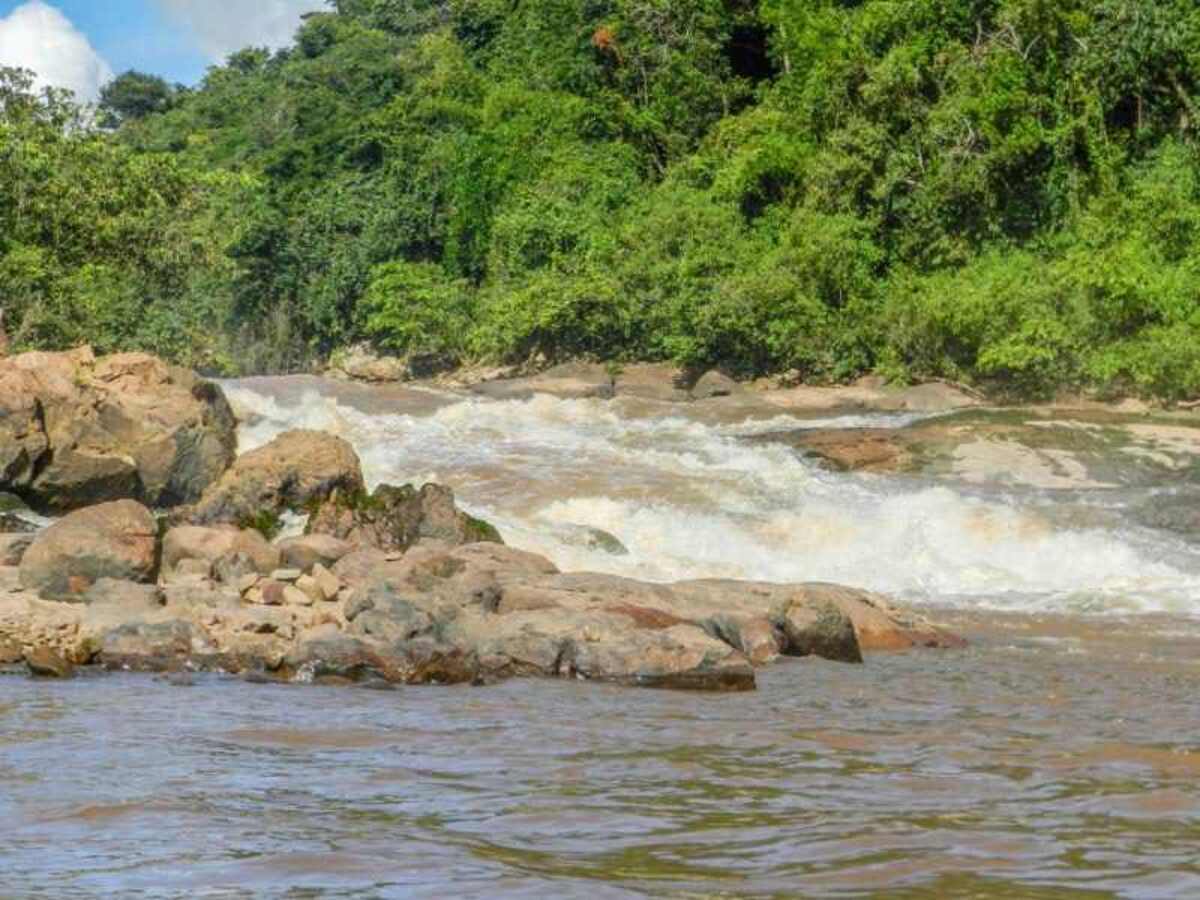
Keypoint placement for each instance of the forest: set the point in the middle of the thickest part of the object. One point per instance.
(1004, 193)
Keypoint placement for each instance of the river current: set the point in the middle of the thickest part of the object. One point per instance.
(1058, 756)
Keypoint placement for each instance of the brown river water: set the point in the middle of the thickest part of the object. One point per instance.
(1057, 756)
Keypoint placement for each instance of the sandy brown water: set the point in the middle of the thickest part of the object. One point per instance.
(1057, 756)
(1054, 758)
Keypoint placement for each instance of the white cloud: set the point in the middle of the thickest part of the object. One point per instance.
(37, 36)
(223, 26)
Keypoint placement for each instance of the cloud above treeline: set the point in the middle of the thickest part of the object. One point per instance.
(37, 36)
(220, 27)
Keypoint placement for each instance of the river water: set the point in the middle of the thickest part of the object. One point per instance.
(1058, 756)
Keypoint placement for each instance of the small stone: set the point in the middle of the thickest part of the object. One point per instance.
(309, 586)
(329, 583)
(287, 575)
(294, 596)
(271, 593)
(45, 663)
(248, 582)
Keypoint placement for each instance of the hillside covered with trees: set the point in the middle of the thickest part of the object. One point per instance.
(1005, 192)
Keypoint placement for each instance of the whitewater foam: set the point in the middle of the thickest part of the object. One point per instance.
(695, 500)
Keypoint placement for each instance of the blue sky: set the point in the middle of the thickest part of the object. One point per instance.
(81, 43)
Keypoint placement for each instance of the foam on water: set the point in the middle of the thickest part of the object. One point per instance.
(696, 500)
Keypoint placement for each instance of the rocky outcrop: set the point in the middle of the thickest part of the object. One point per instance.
(111, 540)
(299, 470)
(76, 430)
(714, 384)
(362, 363)
(437, 614)
(394, 519)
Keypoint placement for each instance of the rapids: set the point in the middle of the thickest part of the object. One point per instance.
(690, 497)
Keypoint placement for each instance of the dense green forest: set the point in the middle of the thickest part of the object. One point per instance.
(1005, 192)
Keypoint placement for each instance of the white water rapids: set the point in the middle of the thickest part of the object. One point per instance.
(694, 499)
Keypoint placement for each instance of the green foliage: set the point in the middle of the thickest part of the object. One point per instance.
(134, 95)
(415, 307)
(999, 191)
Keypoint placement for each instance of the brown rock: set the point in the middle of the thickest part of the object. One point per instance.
(45, 663)
(714, 384)
(395, 519)
(79, 431)
(296, 470)
(309, 586)
(310, 550)
(216, 544)
(328, 583)
(111, 540)
(10, 652)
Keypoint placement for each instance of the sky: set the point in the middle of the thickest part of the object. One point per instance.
(80, 44)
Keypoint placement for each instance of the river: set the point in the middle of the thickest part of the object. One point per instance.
(1058, 756)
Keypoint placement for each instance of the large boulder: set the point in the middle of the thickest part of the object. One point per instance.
(395, 519)
(298, 470)
(76, 430)
(111, 540)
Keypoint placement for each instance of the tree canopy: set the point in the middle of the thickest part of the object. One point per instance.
(998, 191)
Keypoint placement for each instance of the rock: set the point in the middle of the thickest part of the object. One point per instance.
(328, 583)
(297, 470)
(819, 628)
(395, 519)
(10, 652)
(311, 588)
(220, 546)
(591, 538)
(45, 663)
(477, 612)
(851, 449)
(247, 582)
(79, 431)
(147, 647)
(652, 381)
(233, 568)
(13, 548)
(361, 363)
(714, 384)
(111, 540)
(294, 596)
(287, 575)
(268, 593)
(310, 550)
(569, 381)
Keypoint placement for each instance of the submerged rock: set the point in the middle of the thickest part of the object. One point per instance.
(76, 430)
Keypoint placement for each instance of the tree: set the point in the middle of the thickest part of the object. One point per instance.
(134, 95)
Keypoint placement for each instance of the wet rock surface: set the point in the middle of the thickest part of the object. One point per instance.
(474, 613)
(1037, 447)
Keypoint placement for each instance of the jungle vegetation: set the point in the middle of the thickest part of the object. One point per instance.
(1002, 192)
